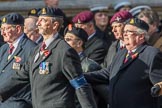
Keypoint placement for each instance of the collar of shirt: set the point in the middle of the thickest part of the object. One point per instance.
(16, 42)
(50, 39)
(91, 36)
(38, 39)
(121, 43)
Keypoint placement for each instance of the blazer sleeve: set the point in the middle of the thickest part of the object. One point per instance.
(98, 77)
(72, 70)
(155, 72)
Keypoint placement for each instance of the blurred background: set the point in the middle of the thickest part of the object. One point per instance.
(71, 7)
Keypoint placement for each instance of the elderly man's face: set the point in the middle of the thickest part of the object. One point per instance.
(9, 32)
(45, 25)
(117, 29)
(132, 38)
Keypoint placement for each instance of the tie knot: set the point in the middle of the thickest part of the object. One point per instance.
(11, 48)
(43, 46)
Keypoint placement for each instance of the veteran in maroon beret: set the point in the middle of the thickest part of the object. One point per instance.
(117, 23)
(53, 70)
(95, 47)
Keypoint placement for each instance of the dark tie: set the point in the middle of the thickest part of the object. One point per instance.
(11, 48)
(128, 56)
(43, 46)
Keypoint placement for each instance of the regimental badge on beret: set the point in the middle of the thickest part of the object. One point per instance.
(131, 21)
(33, 11)
(79, 21)
(44, 11)
(4, 20)
(118, 19)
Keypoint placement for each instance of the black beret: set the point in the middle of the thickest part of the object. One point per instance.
(13, 18)
(51, 12)
(79, 32)
(34, 12)
(138, 23)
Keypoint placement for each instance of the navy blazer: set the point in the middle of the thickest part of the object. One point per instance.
(21, 99)
(130, 83)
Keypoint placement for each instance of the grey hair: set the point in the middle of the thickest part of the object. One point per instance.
(144, 32)
(59, 20)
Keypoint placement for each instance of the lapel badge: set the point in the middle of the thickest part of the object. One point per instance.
(44, 68)
(17, 59)
(16, 66)
(44, 11)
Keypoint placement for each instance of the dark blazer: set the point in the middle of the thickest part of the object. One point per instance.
(130, 83)
(52, 90)
(96, 48)
(21, 99)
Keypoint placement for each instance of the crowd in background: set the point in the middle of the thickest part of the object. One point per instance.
(90, 61)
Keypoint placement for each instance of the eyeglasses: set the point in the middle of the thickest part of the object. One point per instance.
(7, 28)
(130, 32)
(70, 39)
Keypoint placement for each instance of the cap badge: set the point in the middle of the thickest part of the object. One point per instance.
(79, 21)
(118, 18)
(4, 20)
(131, 21)
(33, 11)
(44, 11)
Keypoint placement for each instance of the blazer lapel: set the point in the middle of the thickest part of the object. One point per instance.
(118, 63)
(138, 51)
(42, 57)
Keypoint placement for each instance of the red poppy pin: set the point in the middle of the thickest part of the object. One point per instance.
(46, 53)
(134, 55)
(17, 59)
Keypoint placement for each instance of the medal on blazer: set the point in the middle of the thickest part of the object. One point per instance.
(44, 68)
(16, 66)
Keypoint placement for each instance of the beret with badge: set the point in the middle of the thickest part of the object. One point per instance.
(51, 12)
(13, 18)
(83, 17)
(79, 32)
(121, 16)
(138, 23)
(34, 12)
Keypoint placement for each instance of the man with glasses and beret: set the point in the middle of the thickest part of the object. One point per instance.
(13, 54)
(53, 70)
(133, 71)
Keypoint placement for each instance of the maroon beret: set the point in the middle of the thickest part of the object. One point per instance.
(83, 17)
(121, 16)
